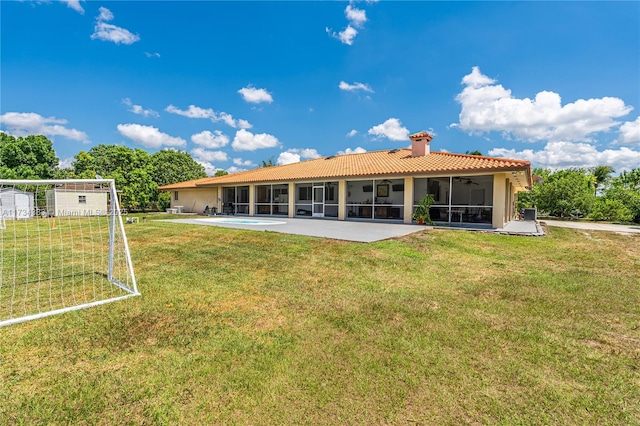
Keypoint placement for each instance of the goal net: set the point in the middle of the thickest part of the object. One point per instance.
(62, 247)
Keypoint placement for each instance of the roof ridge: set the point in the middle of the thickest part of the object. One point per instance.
(480, 156)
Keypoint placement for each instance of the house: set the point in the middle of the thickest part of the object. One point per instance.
(374, 186)
(16, 204)
(77, 200)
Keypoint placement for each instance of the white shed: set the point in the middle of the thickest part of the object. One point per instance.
(77, 200)
(16, 204)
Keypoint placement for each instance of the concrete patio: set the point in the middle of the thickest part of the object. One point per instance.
(522, 227)
(365, 232)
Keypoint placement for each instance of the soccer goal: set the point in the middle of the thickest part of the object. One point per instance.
(62, 247)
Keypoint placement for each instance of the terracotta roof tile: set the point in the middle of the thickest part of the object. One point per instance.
(185, 185)
(375, 163)
(421, 135)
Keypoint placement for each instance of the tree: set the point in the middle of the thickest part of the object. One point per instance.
(171, 166)
(475, 152)
(269, 163)
(529, 199)
(131, 169)
(610, 209)
(31, 157)
(221, 173)
(566, 193)
(624, 190)
(601, 175)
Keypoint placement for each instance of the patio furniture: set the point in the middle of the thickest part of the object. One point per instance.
(227, 208)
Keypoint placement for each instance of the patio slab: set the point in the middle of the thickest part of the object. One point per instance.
(522, 227)
(365, 232)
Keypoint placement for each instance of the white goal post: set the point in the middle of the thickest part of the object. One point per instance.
(63, 247)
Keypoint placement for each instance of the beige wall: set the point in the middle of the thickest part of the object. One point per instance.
(408, 200)
(504, 198)
(499, 197)
(342, 199)
(66, 203)
(195, 200)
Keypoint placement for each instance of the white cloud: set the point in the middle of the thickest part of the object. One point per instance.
(355, 16)
(306, 153)
(137, 109)
(391, 129)
(105, 14)
(294, 155)
(358, 150)
(352, 133)
(30, 123)
(244, 124)
(209, 168)
(204, 155)
(228, 119)
(197, 112)
(630, 133)
(110, 32)
(192, 112)
(355, 86)
(476, 79)
(255, 96)
(66, 163)
(152, 55)
(562, 155)
(347, 35)
(245, 163)
(234, 169)
(247, 141)
(75, 5)
(207, 139)
(488, 107)
(149, 136)
(288, 158)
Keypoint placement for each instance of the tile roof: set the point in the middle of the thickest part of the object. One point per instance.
(395, 162)
(420, 135)
(186, 184)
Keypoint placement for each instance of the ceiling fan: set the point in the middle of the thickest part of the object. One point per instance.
(467, 181)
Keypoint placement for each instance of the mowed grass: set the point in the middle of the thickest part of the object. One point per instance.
(439, 327)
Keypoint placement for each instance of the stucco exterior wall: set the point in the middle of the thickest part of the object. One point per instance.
(499, 200)
(195, 200)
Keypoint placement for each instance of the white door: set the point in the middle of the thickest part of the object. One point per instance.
(22, 206)
(318, 201)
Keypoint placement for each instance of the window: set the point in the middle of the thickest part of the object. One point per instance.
(304, 193)
(175, 195)
(82, 199)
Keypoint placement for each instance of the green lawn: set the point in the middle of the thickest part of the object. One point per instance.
(440, 327)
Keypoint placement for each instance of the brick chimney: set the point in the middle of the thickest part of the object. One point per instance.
(420, 144)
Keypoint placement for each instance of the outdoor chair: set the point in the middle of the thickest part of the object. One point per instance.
(227, 208)
(210, 211)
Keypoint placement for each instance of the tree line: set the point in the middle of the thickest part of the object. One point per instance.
(137, 173)
(585, 193)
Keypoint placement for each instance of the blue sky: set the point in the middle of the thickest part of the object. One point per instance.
(235, 83)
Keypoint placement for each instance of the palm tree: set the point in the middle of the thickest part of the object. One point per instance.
(268, 163)
(601, 175)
